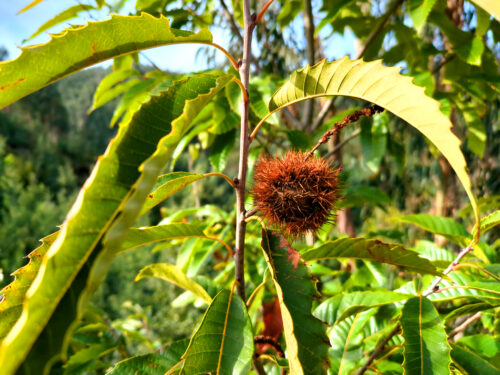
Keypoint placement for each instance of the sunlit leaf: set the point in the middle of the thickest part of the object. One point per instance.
(67, 14)
(223, 343)
(151, 363)
(337, 308)
(95, 227)
(370, 249)
(171, 273)
(385, 87)
(83, 46)
(425, 349)
(305, 336)
(472, 363)
(491, 6)
(12, 296)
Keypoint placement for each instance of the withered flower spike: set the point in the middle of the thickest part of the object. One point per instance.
(296, 193)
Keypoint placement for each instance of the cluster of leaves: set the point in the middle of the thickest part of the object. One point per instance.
(361, 287)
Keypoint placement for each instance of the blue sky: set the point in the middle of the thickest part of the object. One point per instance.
(14, 28)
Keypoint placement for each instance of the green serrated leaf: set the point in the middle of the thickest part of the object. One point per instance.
(151, 363)
(370, 249)
(167, 185)
(472, 363)
(305, 336)
(12, 296)
(383, 86)
(340, 307)
(67, 14)
(470, 308)
(83, 46)
(425, 349)
(490, 221)
(445, 226)
(171, 273)
(106, 207)
(223, 343)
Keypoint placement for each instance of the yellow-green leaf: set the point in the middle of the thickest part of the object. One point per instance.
(491, 6)
(171, 273)
(81, 46)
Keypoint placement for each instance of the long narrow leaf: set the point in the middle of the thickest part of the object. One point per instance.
(173, 274)
(151, 363)
(106, 207)
(425, 349)
(305, 335)
(83, 46)
(369, 249)
(223, 344)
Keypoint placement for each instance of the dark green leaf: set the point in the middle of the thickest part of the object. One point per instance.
(305, 336)
(471, 362)
(151, 363)
(369, 249)
(425, 349)
(223, 343)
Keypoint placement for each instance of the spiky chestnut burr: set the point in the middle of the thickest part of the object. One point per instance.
(295, 193)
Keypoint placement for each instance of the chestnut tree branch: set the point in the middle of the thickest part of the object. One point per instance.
(239, 259)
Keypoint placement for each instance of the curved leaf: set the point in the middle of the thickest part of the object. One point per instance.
(461, 285)
(444, 226)
(12, 296)
(223, 344)
(151, 363)
(142, 236)
(340, 307)
(385, 87)
(171, 273)
(65, 15)
(167, 185)
(491, 6)
(471, 362)
(490, 221)
(305, 336)
(369, 249)
(470, 308)
(83, 46)
(425, 349)
(106, 207)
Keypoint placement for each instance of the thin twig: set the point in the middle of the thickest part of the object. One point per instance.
(263, 11)
(232, 23)
(434, 286)
(464, 325)
(251, 212)
(373, 35)
(323, 113)
(353, 117)
(310, 55)
(343, 143)
(239, 259)
(379, 349)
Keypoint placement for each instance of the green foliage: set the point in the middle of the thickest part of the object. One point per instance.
(305, 335)
(425, 347)
(223, 343)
